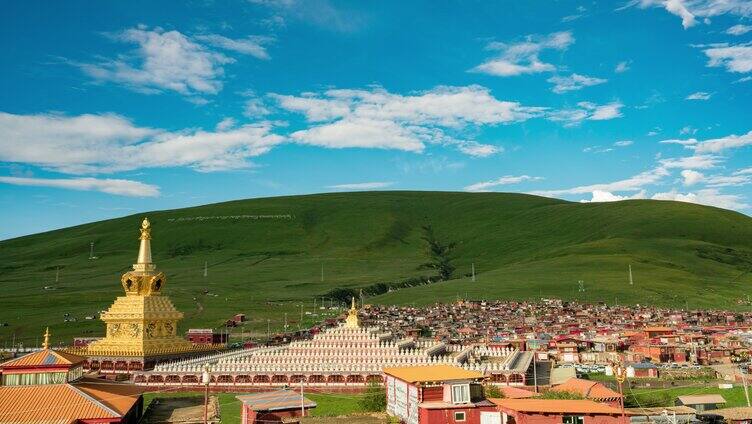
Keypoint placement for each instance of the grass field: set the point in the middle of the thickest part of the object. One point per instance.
(265, 257)
(327, 405)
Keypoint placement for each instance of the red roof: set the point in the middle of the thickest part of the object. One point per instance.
(65, 403)
(44, 358)
(588, 389)
(556, 406)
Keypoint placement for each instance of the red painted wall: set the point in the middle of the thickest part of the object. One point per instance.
(523, 418)
(472, 415)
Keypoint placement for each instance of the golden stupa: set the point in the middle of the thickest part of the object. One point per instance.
(352, 317)
(142, 323)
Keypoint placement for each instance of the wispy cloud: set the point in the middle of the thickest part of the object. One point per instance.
(622, 67)
(690, 10)
(361, 186)
(110, 186)
(573, 82)
(172, 61)
(253, 46)
(524, 57)
(586, 111)
(734, 57)
(501, 181)
(739, 29)
(699, 95)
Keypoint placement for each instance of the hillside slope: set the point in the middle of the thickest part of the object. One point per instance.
(265, 256)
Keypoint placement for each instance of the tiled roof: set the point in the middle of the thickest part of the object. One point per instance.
(274, 401)
(588, 389)
(116, 396)
(49, 403)
(556, 406)
(511, 392)
(432, 373)
(44, 358)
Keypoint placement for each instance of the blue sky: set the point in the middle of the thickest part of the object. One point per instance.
(114, 108)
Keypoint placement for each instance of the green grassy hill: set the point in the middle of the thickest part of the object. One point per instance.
(268, 261)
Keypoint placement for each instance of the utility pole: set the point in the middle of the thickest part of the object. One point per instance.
(268, 329)
(91, 250)
(322, 272)
(302, 401)
(535, 368)
(746, 391)
(206, 379)
(57, 274)
(473, 272)
(631, 281)
(206, 268)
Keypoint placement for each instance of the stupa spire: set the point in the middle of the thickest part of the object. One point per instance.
(144, 251)
(143, 262)
(46, 344)
(352, 316)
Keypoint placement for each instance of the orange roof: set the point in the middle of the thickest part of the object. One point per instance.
(556, 406)
(116, 396)
(511, 392)
(432, 373)
(44, 358)
(49, 403)
(658, 329)
(588, 389)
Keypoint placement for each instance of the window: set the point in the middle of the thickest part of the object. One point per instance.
(461, 394)
(459, 416)
(573, 419)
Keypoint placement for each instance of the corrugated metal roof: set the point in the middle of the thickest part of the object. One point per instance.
(588, 389)
(432, 373)
(274, 401)
(701, 399)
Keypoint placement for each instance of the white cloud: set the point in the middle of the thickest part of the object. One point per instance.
(690, 10)
(321, 13)
(524, 57)
(361, 186)
(586, 111)
(598, 196)
(110, 186)
(685, 143)
(739, 29)
(164, 60)
(505, 180)
(691, 162)
(573, 82)
(109, 143)
(709, 197)
(622, 67)
(720, 144)
(255, 108)
(634, 183)
(728, 180)
(691, 177)
(734, 57)
(687, 130)
(253, 46)
(479, 150)
(624, 143)
(700, 95)
(376, 118)
(361, 132)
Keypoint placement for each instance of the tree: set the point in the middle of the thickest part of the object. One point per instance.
(374, 398)
(492, 391)
(439, 254)
(551, 394)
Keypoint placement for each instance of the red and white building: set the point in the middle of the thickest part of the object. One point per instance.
(436, 394)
